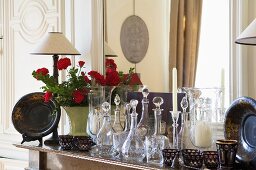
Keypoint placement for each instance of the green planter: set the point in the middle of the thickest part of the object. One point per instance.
(78, 120)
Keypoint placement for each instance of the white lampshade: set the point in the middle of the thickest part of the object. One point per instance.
(108, 52)
(55, 43)
(248, 36)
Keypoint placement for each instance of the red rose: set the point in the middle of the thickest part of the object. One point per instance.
(134, 80)
(47, 96)
(98, 77)
(82, 73)
(86, 79)
(41, 71)
(81, 63)
(78, 96)
(110, 64)
(63, 63)
(112, 78)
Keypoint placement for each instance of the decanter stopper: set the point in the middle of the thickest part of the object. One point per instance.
(133, 104)
(158, 101)
(117, 100)
(105, 107)
(184, 104)
(145, 92)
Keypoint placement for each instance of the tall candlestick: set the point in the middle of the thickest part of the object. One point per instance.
(174, 91)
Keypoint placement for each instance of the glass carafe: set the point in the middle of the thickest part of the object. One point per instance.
(133, 147)
(144, 124)
(104, 138)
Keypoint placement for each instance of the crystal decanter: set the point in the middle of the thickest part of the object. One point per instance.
(104, 139)
(117, 127)
(157, 142)
(133, 147)
(144, 124)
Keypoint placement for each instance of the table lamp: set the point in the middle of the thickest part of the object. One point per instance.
(55, 44)
(108, 52)
(248, 36)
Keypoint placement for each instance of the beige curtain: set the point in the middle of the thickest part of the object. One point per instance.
(185, 23)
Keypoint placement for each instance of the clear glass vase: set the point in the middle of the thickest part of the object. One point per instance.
(133, 147)
(95, 118)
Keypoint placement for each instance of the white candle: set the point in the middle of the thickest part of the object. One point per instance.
(174, 92)
(203, 135)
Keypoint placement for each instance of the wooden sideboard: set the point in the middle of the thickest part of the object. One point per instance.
(53, 158)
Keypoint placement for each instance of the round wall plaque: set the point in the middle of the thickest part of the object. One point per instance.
(134, 39)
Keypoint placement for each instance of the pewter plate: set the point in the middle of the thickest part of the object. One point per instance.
(134, 39)
(240, 125)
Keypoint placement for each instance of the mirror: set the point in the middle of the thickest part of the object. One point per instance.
(153, 67)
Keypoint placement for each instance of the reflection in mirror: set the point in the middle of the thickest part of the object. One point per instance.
(152, 63)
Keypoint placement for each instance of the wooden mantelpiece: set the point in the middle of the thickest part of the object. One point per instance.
(53, 158)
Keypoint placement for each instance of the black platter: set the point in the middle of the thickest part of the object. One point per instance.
(240, 124)
(34, 118)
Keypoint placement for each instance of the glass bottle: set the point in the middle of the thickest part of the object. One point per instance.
(133, 147)
(104, 139)
(157, 142)
(144, 124)
(117, 127)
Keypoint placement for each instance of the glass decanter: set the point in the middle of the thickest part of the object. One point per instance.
(133, 147)
(104, 139)
(144, 124)
(117, 127)
(157, 142)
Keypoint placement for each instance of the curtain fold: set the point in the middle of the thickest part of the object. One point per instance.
(185, 21)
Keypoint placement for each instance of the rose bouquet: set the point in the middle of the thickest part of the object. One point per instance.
(73, 91)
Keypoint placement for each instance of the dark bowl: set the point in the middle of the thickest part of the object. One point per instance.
(169, 155)
(192, 158)
(83, 143)
(66, 142)
(211, 160)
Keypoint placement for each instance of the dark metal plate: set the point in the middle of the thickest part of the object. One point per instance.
(34, 117)
(240, 124)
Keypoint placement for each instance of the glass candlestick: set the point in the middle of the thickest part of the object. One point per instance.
(117, 127)
(104, 139)
(133, 147)
(143, 125)
(175, 118)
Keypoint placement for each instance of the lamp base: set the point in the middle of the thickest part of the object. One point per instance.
(54, 139)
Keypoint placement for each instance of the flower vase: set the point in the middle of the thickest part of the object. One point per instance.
(78, 120)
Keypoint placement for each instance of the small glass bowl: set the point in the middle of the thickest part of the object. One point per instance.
(66, 142)
(82, 143)
(169, 155)
(211, 160)
(192, 158)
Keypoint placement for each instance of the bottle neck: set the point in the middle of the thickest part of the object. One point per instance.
(144, 115)
(127, 122)
(158, 118)
(133, 122)
(106, 120)
(117, 116)
(184, 117)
